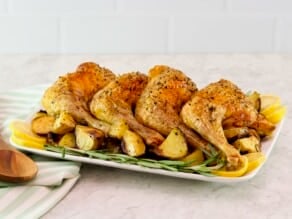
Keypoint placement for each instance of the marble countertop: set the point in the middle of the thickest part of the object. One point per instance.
(111, 193)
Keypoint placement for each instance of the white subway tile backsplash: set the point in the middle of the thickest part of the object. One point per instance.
(126, 34)
(269, 6)
(3, 6)
(28, 34)
(145, 26)
(170, 6)
(221, 34)
(284, 35)
(61, 7)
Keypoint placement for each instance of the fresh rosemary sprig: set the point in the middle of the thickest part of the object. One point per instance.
(172, 165)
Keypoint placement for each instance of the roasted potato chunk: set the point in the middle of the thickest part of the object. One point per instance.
(174, 146)
(42, 124)
(132, 144)
(88, 138)
(235, 133)
(67, 140)
(255, 98)
(63, 124)
(195, 158)
(247, 145)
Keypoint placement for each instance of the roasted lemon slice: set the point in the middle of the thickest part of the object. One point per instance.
(269, 101)
(26, 142)
(22, 130)
(277, 114)
(233, 173)
(254, 160)
(272, 108)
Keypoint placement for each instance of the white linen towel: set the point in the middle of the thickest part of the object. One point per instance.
(55, 177)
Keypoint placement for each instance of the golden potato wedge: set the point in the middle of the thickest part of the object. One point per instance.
(174, 146)
(255, 98)
(67, 140)
(42, 125)
(88, 138)
(196, 157)
(132, 144)
(64, 123)
(249, 144)
(235, 133)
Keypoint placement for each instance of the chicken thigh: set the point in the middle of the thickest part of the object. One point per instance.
(71, 93)
(210, 107)
(117, 101)
(161, 101)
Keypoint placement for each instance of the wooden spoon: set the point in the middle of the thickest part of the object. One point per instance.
(15, 166)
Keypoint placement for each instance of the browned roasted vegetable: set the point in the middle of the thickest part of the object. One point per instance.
(132, 144)
(255, 98)
(68, 140)
(42, 124)
(247, 145)
(196, 157)
(64, 123)
(235, 133)
(174, 146)
(88, 138)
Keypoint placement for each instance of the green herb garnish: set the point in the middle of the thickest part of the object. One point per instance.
(204, 168)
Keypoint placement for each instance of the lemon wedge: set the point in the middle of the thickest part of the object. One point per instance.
(26, 142)
(277, 114)
(272, 108)
(269, 101)
(22, 130)
(254, 160)
(233, 173)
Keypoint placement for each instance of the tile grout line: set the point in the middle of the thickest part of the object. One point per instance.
(227, 6)
(59, 36)
(169, 36)
(275, 37)
(9, 7)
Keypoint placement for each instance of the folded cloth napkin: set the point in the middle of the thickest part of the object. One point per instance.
(55, 177)
(33, 199)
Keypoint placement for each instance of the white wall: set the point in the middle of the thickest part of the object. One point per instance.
(145, 26)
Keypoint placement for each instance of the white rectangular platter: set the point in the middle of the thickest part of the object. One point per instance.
(19, 104)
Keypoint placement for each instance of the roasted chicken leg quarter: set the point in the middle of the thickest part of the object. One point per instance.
(117, 101)
(161, 101)
(71, 93)
(210, 107)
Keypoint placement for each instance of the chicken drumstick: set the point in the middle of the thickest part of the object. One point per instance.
(117, 101)
(71, 93)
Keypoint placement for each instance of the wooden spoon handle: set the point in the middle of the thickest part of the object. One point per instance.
(15, 166)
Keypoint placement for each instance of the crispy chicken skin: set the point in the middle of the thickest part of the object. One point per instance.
(210, 107)
(71, 93)
(117, 101)
(262, 126)
(161, 101)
